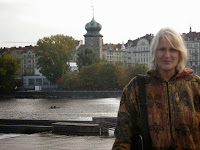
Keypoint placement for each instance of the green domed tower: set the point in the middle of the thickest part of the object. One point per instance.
(93, 39)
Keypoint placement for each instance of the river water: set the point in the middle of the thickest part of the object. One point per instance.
(58, 109)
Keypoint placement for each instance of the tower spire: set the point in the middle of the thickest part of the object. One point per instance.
(190, 28)
(93, 11)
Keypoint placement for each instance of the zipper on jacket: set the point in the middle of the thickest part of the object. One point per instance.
(170, 122)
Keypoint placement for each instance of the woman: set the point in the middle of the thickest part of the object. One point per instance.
(172, 98)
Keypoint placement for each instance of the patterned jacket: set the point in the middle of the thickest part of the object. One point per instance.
(173, 112)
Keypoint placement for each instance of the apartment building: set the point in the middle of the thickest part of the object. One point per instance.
(114, 53)
(192, 42)
(17, 53)
(28, 59)
(138, 51)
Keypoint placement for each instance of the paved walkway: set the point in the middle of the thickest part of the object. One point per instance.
(49, 141)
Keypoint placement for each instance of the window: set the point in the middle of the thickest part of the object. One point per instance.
(51, 83)
(45, 81)
(28, 70)
(38, 81)
(31, 81)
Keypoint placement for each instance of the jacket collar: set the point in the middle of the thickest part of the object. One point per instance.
(184, 72)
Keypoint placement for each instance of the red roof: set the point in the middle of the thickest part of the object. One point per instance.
(113, 47)
(25, 49)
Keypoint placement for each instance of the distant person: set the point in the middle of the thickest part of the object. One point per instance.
(172, 100)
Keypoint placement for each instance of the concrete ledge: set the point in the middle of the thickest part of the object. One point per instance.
(35, 122)
(75, 128)
(97, 126)
(26, 129)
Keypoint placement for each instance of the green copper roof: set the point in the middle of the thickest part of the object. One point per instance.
(93, 28)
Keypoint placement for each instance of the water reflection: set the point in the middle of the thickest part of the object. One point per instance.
(58, 109)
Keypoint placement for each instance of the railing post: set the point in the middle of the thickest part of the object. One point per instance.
(100, 130)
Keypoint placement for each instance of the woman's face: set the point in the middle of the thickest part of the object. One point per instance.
(167, 57)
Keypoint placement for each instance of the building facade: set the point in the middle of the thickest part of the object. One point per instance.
(138, 51)
(28, 59)
(114, 53)
(17, 54)
(31, 82)
(192, 43)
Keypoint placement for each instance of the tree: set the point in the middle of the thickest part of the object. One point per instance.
(122, 76)
(70, 80)
(107, 76)
(137, 69)
(88, 77)
(54, 52)
(101, 76)
(87, 57)
(8, 68)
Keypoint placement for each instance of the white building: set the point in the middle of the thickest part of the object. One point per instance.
(138, 51)
(192, 42)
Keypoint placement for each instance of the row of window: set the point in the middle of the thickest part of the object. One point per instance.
(193, 52)
(28, 61)
(38, 82)
(192, 45)
(29, 56)
(113, 58)
(142, 49)
(141, 60)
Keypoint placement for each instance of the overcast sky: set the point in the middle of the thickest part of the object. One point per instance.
(24, 22)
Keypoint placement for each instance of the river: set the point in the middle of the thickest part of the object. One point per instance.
(58, 109)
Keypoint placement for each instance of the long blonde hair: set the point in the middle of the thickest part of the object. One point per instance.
(175, 40)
